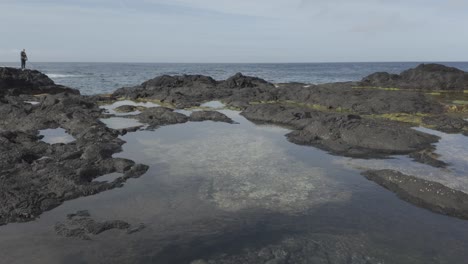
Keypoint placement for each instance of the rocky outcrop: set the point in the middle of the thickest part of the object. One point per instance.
(198, 116)
(426, 194)
(425, 77)
(36, 176)
(342, 134)
(160, 116)
(16, 81)
(240, 90)
(193, 90)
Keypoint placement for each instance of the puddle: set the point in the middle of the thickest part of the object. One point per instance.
(214, 105)
(32, 102)
(108, 177)
(121, 122)
(57, 135)
(110, 109)
(215, 188)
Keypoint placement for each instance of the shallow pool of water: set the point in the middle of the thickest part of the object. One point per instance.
(56, 135)
(110, 109)
(216, 188)
(120, 122)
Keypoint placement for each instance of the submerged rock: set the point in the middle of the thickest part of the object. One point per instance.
(81, 225)
(426, 194)
(425, 77)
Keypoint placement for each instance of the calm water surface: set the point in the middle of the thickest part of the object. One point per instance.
(216, 188)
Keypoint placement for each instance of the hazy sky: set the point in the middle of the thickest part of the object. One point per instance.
(234, 30)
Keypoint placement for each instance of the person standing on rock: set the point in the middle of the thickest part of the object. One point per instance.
(24, 58)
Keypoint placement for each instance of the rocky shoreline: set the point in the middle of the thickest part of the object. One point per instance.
(368, 119)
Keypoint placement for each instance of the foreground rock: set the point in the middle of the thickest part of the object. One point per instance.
(342, 134)
(425, 77)
(36, 176)
(15, 82)
(80, 225)
(426, 194)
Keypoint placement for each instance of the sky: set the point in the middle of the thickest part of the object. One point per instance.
(205, 31)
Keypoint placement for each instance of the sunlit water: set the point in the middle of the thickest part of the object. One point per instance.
(215, 188)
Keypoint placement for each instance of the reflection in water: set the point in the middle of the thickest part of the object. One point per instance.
(242, 192)
(120, 122)
(108, 177)
(452, 149)
(56, 135)
(110, 109)
(214, 105)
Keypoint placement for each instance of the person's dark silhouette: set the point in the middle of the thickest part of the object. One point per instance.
(24, 58)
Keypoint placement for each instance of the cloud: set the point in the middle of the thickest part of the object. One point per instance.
(233, 31)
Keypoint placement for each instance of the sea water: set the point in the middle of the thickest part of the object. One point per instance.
(98, 78)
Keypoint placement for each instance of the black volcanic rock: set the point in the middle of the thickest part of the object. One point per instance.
(198, 116)
(36, 176)
(426, 194)
(160, 116)
(342, 134)
(425, 77)
(16, 81)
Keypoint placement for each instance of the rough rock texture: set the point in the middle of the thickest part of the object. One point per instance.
(345, 97)
(36, 176)
(425, 76)
(15, 82)
(240, 90)
(199, 116)
(426, 194)
(160, 116)
(348, 135)
(192, 90)
(128, 108)
(446, 123)
(428, 157)
(81, 225)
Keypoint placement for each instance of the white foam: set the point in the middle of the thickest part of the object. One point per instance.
(57, 75)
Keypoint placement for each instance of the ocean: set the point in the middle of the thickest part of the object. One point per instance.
(96, 78)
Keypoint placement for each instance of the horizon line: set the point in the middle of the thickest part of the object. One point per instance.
(319, 62)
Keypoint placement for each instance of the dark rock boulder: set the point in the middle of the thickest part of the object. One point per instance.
(239, 81)
(161, 116)
(16, 81)
(342, 134)
(198, 116)
(426, 194)
(425, 77)
(192, 90)
(128, 108)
